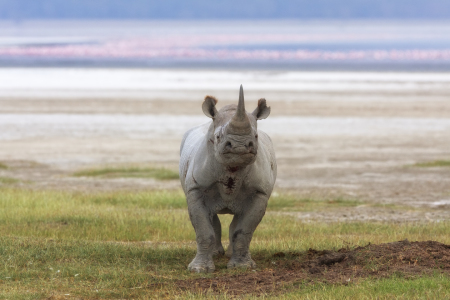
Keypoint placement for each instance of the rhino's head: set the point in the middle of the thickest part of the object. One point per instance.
(234, 133)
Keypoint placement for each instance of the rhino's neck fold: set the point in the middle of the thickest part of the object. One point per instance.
(231, 180)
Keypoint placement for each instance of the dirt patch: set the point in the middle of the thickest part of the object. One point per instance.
(403, 258)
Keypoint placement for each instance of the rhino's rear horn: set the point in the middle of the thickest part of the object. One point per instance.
(209, 106)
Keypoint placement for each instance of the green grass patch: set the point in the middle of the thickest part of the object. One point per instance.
(294, 203)
(435, 286)
(137, 245)
(162, 216)
(432, 164)
(3, 166)
(8, 180)
(98, 216)
(40, 268)
(134, 172)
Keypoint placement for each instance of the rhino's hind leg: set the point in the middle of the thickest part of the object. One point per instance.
(243, 233)
(218, 250)
(204, 231)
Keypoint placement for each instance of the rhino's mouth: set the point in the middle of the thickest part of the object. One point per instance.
(244, 155)
(234, 159)
(245, 152)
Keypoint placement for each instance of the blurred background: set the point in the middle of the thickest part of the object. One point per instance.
(294, 34)
(359, 89)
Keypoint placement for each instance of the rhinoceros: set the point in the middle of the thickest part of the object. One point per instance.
(227, 166)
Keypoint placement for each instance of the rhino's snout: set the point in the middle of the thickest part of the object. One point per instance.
(239, 148)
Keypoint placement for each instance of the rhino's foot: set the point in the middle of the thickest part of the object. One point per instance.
(201, 265)
(219, 251)
(241, 262)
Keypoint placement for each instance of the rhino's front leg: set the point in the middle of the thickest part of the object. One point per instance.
(232, 229)
(201, 219)
(218, 249)
(246, 224)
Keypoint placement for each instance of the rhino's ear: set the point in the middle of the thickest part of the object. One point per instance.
(262, 111)
(209, 106)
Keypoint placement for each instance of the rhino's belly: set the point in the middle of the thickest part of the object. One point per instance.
(223, 203)
(225, 211)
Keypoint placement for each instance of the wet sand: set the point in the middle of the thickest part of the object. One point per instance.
(354, 138)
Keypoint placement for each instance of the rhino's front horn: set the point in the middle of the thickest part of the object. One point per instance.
(240, 111)
(240, 123)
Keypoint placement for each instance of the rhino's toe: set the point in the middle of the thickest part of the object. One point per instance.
(201, 269)
(246, 263)
(201, 266)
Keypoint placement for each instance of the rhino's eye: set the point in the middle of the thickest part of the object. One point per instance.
(256, 136)
(218, 137)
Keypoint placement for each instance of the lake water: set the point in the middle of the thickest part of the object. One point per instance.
(300, 45)
(169, 60)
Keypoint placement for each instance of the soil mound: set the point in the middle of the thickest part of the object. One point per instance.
(346, 265)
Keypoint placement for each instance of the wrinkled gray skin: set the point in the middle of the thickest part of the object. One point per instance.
(227, 166)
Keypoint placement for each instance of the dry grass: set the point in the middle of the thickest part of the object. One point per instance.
(433, 164)
(8, 180)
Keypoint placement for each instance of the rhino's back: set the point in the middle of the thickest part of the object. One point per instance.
(191, 141)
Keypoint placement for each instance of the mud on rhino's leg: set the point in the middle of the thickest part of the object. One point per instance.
(218, 249)
(201, 219)
(246, 224)
(231, 231)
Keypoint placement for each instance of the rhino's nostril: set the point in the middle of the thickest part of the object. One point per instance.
(250, 144)
(228, 145)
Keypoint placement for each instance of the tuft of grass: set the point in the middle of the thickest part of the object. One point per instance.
(436, 163)
(3, 166)
(8, 180)
(134, 172)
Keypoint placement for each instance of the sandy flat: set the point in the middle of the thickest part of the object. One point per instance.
(355, 137)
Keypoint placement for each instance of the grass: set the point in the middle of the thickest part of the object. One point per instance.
(136, 245)
(8, 180)
(135, 172)
(293, 203)
(3, 166)
(436, 286)
(433, 164)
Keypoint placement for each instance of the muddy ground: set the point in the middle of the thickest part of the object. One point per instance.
(345, 266)
(357, 143)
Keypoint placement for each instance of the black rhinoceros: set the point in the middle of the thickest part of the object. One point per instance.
(227, 166)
